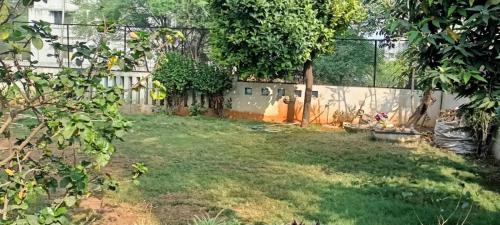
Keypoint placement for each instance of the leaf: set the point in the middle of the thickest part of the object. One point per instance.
(37, 43)
(467, 77)
(463, 51)
(112, 61)
(479, 78)
(133, 36)
(70, 201)
(28, 2)
(4, 12)
(413, 35)
(451, 10)
(32, 220)
(4, 35)
(452, 34)
(120, 133)
(158, 94)
(435, 22)
(68, 132)
(10, 172)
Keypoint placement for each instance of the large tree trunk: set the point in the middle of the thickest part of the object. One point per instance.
(185, 98)
(193, 92)
(202, 100)
(420, 112)
(309, 79)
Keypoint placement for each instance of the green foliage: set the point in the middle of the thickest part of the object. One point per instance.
(216, 220)
(175, 72)
(179, 73)
(191, 13)
(159, 91)
(392, 73)
(59, 157)
(351, 64)
(273, 38)
(455, 47)
(197, 110)
(211, 79)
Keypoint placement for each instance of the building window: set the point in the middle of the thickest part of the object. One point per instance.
(265, 92)
(315, 94)
(298, 93)
(281, 92)
(57, 15)
(248, 91)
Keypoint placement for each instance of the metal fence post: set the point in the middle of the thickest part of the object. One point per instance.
(375, 64)
(67, 45)
(125, 39)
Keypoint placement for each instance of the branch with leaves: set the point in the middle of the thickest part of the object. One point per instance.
(75, 119)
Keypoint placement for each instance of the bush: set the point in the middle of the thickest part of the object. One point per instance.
(175, 71)
(197, 110)
(211, 79)
(208, 220)
(179, 74)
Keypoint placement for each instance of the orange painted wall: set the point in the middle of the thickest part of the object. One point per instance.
(287, 113)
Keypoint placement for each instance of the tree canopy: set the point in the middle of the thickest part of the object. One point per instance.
(164, 13)
(274, 38)
(456, 47)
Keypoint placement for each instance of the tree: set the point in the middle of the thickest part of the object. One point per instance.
(55, 159)
(350, 64)
(149, 15)
(179, 74)
(456, 48)
(274, 38)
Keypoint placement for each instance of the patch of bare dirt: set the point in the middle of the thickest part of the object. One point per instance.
(4, 143)
(176, 208)
(170, 209)
(104, 212)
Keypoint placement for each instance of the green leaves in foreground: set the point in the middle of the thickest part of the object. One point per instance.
(159, 91)
(454, 47)
(139, 170)
(74, 121)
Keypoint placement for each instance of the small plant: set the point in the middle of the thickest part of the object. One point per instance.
(340, 117)
(197, 110)
(383, 120)
(208, 220)
(302, 223)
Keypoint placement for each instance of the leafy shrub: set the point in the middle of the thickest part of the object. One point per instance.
(211, 79)
(70, 139)
(340, 117)
(175, 71)
(197, 110)
(179, 73)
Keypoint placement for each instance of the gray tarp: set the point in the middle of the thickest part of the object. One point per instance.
(454, 136)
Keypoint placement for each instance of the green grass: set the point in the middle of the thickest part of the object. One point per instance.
(261, 176)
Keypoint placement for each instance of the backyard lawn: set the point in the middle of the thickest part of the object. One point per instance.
(271, 174)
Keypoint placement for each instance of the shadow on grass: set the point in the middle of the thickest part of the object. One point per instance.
(272, 178)
(396, 205)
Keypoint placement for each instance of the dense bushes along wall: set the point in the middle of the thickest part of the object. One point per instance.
(182, 76)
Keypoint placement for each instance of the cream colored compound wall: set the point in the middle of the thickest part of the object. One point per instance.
(330, 100)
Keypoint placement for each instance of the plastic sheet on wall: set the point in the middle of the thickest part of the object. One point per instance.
(455, 136)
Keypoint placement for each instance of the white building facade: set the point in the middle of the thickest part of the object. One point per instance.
(56, 12)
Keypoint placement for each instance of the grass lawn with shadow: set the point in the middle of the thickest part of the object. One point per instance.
(271, 174)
